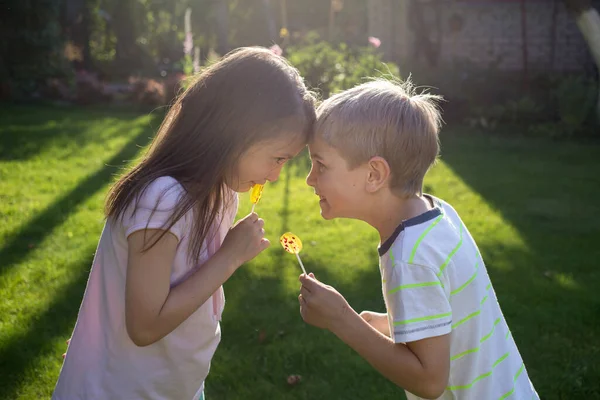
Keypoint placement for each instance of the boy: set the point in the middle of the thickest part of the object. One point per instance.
(444, 335)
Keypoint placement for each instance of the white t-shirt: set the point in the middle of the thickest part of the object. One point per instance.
(435, 283)
(102, 362)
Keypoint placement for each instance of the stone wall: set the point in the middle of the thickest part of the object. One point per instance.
(486, 33)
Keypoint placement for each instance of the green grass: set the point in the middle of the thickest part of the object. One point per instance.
(530, 204)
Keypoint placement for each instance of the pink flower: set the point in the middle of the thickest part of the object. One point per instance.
(276, 49)
(375, 42)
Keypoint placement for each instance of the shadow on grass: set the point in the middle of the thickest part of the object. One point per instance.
(20, 352)
(16, 247)
(545, 191)
(25, 131)
(265, 339)
(548, 192)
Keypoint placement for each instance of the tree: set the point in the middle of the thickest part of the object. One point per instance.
(76, 25)
(222, 17)
(588, 21)
(128, 54)
(32, 49)
(424, 45)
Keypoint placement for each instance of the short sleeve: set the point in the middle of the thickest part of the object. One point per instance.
(418, 306)
(154, 208)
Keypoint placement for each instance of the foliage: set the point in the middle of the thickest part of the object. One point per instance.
(31, 51)
(575, 96)
(331, 68)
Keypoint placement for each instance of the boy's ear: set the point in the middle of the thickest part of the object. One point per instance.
(378, 174)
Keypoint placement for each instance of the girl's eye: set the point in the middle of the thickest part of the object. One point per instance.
(320, 165)
(281, 160)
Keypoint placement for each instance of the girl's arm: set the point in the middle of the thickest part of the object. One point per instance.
(153, 308)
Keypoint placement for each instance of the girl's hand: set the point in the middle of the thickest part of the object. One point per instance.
(246, 239)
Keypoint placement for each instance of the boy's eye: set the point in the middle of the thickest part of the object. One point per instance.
(281, 160)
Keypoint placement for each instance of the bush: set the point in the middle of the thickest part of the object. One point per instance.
(572, 100)
(155, 93)
(89, 89)
(34, 52)
(524, 111)
(83, 88)
(57, 89)
(330, 68)
(147, 92)
(173, 84)
(575, 98)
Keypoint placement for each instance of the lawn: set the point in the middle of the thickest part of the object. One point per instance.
(531, 204)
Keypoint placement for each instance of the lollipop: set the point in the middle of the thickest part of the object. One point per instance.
(292, 244)
(255, 194)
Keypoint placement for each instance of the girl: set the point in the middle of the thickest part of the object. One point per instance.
(148, 325)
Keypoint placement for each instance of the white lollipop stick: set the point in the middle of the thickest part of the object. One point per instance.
(301, 265)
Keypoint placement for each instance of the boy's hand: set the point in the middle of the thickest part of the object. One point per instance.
(378, 321)
(321, 305)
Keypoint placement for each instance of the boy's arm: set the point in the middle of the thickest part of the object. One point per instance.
(420, 367)
(379, 321)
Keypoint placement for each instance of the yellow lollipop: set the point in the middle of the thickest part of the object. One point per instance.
(255, 194)
(292, 244)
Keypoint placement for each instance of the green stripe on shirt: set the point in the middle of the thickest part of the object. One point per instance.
(484, 299)
(476, 349)
(464, 353)
(505, 395)
(429, 228)
(511, 391)
(480, 377)
(486, 337)
(464, 285)
(465, 319)
(454, 250)
(414, 285)
(408, 321)
(475, 313)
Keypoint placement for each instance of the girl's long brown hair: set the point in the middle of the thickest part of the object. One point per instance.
(249, 96)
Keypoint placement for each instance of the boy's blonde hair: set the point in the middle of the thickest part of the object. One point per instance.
(386, 119)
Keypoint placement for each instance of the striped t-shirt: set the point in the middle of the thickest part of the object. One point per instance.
(435, 282)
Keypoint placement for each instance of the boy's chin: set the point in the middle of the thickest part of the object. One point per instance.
(327, 213)
(326, 216)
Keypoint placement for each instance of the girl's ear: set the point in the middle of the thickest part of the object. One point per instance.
(378, 174)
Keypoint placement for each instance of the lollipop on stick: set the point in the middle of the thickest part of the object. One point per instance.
(292, 244)
(255, 195)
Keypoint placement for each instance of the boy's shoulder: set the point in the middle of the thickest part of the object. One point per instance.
(424, 238)
(446, 207)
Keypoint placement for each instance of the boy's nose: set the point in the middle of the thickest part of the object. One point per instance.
(310, 180)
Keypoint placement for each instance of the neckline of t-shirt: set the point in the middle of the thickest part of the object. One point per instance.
(428, 215)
